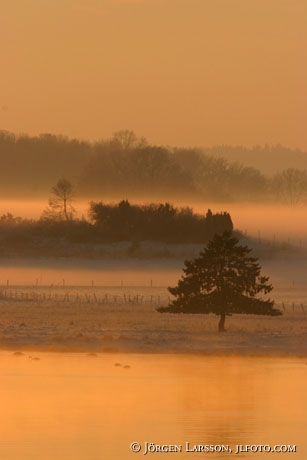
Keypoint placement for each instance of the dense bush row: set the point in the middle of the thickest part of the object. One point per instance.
(156, 222)
(109, 224)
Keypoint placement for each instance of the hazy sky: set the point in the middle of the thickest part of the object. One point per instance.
(179, 72)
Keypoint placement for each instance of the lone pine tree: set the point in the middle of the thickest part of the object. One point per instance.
(224, 279)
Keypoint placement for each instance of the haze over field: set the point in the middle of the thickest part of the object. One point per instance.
(226, 76)
(276, 223)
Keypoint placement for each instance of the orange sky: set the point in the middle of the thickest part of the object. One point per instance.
(179, 72)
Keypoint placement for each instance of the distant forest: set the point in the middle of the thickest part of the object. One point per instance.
(128, 166)
(56, 235)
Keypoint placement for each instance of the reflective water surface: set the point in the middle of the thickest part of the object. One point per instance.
(90, 407)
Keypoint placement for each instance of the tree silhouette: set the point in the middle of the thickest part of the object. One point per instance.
(60, 201)
(290, 186)
(126, 140)
(224, 279)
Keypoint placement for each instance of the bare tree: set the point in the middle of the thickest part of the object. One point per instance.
(290, 186)
(60, 202)
(127, 140)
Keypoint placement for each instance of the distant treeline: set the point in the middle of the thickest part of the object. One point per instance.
(128, 166)
(109, 224)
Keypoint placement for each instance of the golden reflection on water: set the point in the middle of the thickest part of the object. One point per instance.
(83, 407)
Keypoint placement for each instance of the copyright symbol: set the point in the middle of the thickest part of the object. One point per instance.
(135, 447)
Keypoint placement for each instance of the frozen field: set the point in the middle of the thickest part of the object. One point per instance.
(116, 311)
(125, 319)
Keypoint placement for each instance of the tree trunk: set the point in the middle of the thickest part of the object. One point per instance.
(222, 322)
(65, 208)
